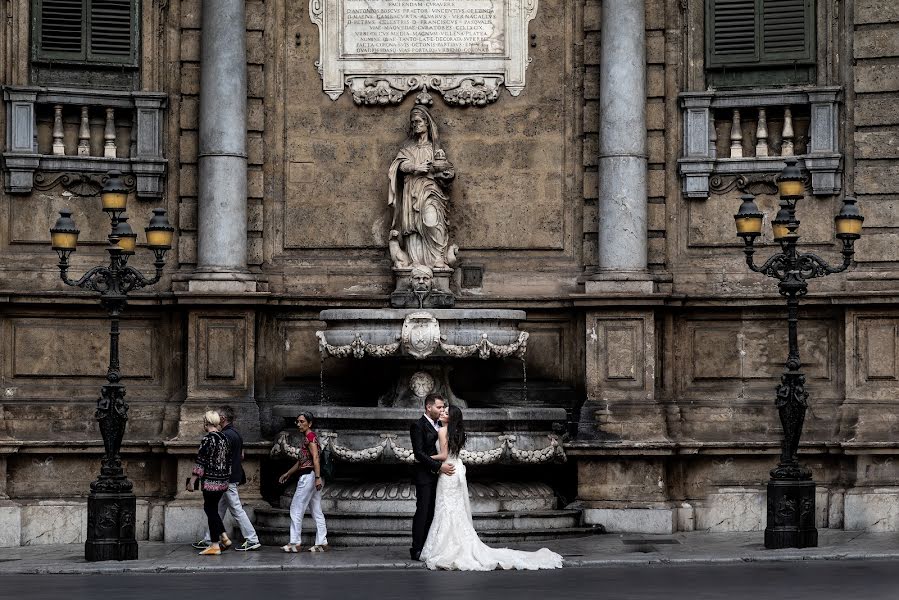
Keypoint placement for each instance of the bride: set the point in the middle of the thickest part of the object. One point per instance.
(452, 541)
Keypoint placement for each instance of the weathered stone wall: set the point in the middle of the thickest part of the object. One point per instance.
(673, 391)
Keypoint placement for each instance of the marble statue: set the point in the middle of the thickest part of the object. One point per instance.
(420, 176)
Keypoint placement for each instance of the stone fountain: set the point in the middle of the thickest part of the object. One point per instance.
(372, 499)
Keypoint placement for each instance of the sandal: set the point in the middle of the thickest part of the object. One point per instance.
(210, 551)
(290, 547)
(320, 548)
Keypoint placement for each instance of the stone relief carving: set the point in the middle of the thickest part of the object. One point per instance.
(389, 450)
(420, 334)
(384, 49)
(474, 90)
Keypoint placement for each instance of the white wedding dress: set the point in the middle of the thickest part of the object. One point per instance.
(453, 543)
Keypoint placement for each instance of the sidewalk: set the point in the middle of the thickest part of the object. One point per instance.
(593, 551)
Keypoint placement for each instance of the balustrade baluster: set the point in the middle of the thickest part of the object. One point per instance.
(736, 136)
(59, 148)
(713, 136)
(84, 134)
(109, 148)
(787, 146)
(761, 134)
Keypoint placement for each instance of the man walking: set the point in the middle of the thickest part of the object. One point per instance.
(231, 499)
(426, 470)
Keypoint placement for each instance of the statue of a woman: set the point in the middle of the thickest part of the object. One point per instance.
(419, 177)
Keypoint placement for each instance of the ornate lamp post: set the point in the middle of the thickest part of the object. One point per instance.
(791, 491)
(111, 504)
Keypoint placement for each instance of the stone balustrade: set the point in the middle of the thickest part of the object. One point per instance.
(733, 138)
(82, 133)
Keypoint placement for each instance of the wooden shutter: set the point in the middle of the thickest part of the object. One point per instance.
(784, 29)
(111, 30)
(743, 33)
(734, 32)
(60, 29)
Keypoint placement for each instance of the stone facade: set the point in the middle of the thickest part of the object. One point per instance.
(666, 363)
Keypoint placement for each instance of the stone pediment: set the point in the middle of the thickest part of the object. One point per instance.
(382, 50)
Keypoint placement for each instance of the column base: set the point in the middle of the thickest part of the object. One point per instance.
(791, 515)
(620, 282)
(222, 282)
(110, 527)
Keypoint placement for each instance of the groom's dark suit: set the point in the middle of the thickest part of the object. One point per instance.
(424, 475)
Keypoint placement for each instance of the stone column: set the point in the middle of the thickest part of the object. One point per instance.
(622, 160)
(222, 203)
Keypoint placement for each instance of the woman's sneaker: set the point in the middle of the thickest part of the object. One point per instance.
(201, 544)
(248, 545)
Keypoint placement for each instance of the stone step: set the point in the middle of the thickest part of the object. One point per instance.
(277, 518)
(391, 537)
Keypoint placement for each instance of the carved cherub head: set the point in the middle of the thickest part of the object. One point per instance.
(421, 384)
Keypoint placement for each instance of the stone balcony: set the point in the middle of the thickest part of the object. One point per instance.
(738, 138)
(74, 136)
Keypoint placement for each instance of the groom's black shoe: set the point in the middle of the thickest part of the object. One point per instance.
(414, 555)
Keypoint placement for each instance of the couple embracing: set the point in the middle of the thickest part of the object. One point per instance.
(443, 534)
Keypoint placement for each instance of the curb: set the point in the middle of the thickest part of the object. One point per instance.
(408, 565)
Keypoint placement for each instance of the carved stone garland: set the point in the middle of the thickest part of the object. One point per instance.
(388, 447)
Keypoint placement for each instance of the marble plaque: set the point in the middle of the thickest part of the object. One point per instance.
(382, 50)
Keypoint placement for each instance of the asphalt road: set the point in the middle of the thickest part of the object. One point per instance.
(818, 580)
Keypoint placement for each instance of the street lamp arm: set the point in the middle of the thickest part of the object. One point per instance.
(775, 267)
(132, 279)
(812, 265)
(97, 279)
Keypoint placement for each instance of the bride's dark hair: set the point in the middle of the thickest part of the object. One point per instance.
(455, 431)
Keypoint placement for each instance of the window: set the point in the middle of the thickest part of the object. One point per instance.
(85, 32)
(760, 42)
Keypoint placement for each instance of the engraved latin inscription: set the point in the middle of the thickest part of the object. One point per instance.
(423, 27)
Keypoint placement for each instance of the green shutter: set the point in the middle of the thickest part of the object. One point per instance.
(733, 28)
(60, 34)
(756, 42)
(86, 31)
(111, 30)
(786, 29)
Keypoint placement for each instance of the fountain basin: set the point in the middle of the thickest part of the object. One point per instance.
(381, 435)
(420, 333)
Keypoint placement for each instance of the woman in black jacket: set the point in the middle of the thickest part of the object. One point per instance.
(214, 470)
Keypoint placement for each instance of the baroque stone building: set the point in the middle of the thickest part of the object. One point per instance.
(598, 198)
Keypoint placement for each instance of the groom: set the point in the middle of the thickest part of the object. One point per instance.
(426, 470)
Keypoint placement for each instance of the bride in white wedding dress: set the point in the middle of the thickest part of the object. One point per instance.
(452, 541)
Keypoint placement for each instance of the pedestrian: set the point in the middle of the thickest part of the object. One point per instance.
(213, 469)
(231, 500)
(309, 488)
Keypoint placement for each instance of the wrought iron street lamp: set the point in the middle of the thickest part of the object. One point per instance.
(111, 505)
(791, 491)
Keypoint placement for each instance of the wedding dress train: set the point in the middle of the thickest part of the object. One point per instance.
(453, 543)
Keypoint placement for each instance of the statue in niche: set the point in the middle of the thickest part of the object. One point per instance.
(420, 176)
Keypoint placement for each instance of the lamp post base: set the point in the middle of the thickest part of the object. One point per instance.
(791, 514)
(110, 526)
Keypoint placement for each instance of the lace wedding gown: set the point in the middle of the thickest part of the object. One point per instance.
(453, 543)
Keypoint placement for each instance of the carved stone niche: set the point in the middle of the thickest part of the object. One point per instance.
(384, 49)
(27, 164)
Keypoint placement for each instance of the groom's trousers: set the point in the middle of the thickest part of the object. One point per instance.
(425, 495)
